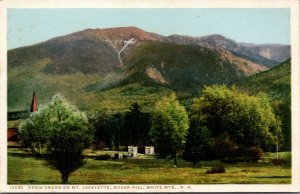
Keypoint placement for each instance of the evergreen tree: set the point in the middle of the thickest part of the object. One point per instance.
(198, 144)
(137, 126)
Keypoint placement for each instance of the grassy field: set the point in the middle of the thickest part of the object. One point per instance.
(24, 169)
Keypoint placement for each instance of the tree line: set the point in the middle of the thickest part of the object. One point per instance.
(222, 123)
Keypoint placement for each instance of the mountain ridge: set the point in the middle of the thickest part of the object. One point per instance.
(253, 52)
(107, 64)
(250, 51)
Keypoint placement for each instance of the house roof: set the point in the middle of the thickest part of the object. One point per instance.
(11, 133)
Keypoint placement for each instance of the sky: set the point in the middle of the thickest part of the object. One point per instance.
(260, 26)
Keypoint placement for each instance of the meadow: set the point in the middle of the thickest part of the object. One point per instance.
(25, 169)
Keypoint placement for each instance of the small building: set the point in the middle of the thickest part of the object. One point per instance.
(13, 133)
(132, 151)
(12, 138)
(149, 150)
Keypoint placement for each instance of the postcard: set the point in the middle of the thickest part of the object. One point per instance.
(149, 96)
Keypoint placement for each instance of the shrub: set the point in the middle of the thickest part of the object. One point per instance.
(255, 153)
(102, 157)
(278, 162)
(98, 145)
(216, 169)
(225, 148)
(282, 162)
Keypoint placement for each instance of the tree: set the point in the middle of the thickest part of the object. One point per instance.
(198, 144)
(108, 129)
(32, 135)
(137, 126)
(279, 138)
(169, 127)
(282, 108)
(116, 124)
(60, 133)
(247, 120)
(103, 132)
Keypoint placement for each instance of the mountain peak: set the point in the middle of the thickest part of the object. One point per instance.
(115, 35)
(217, 39)
(216, 36)
(123, 33)
(115, 29)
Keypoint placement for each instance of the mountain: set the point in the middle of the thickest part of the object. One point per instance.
(266, 54)
(101, 50)
(109, 69)
(275, 52)
(276, 82)
(184, 67)
(87, 51)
